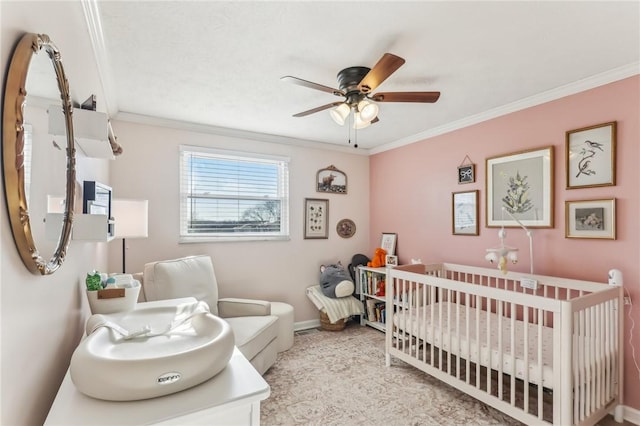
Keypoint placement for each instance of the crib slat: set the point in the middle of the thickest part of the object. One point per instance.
(513, 354)
(526, 360)
(488, 343)
(478, 341)
(500, 348)
(540, 360)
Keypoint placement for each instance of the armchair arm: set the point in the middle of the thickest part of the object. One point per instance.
(233, 307)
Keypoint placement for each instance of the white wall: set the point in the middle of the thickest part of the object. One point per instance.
(277, 270)
(42, 317)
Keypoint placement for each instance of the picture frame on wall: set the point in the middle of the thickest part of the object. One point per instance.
(466, 173)
(591, 219)
(590, 154)
(331, 180)
(316, 218)
(464, 213)
(388, 243)
(522, 183)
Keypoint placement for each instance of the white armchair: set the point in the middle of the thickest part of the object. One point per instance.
(255, 329)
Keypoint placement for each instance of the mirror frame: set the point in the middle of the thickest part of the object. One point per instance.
(13, 153)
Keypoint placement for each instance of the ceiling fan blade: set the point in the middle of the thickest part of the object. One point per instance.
(386, 66)
(425, 97)
(312, 85)
(318, 109)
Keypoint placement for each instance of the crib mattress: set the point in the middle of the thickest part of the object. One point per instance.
(454, 338)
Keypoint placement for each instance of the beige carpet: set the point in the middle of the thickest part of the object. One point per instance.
(339, 378)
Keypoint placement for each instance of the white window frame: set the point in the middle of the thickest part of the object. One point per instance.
(185, 195)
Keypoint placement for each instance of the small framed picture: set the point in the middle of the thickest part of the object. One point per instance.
(316, 218)
(464, 213)
(388, 242)
(591, 156)
(467, 173)
(331, 180)
(391, 260)
(591, 219)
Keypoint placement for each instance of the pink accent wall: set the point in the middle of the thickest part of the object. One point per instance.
(412, 186)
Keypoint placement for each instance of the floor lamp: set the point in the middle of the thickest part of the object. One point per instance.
(131, 221)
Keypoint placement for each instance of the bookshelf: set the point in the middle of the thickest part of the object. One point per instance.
(371, 281)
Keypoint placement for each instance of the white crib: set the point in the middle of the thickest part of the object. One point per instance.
(553, 354)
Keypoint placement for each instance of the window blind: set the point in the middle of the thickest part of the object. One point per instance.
(227, 195)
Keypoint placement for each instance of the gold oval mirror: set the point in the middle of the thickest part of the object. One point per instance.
(22, 157)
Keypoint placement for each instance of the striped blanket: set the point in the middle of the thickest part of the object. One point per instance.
(336, 309)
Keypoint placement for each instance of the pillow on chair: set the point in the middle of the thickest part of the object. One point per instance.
(186, 277)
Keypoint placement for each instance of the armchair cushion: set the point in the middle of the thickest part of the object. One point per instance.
(233, 307)
(162, 280)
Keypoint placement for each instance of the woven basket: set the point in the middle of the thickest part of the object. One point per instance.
(325, 324)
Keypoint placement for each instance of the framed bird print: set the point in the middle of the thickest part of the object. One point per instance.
(591, 156)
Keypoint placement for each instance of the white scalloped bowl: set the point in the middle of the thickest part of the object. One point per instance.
(107, 366)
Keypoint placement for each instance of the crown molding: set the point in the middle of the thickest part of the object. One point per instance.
(588, 83)
(235, 133)
(94, 27)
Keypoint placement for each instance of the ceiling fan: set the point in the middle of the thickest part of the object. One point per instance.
(355, 85)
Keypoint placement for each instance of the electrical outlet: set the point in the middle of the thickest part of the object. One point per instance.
(529, 283)
(627, 300)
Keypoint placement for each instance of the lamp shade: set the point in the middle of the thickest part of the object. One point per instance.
(340, 113)
(359, 123)
(131, 218)
(368, 110)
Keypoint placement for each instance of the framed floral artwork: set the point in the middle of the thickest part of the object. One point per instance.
(590, 219)
(522, 184)
(316, 218)
(591, 156)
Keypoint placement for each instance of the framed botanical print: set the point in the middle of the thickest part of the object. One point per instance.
(521, 183)
(591, 156)
(316, 218)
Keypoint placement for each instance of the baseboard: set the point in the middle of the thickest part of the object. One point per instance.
(632, 415)
(305, 325)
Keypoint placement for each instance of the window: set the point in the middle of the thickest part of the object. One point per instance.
(232, 196)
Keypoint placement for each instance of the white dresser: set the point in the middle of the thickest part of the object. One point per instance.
(232, 397)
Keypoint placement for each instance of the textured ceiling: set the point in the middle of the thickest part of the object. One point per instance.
(219, 63)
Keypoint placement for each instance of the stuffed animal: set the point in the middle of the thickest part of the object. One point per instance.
(378, 259)
(335, 281)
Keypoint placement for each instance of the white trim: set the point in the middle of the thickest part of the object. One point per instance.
(541, 98)
(235, 133)
(306, 325)
(631, 415)
(94, 27)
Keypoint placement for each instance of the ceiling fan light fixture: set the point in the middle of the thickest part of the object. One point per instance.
(340, 113)
(368, 110)
(359, 123)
